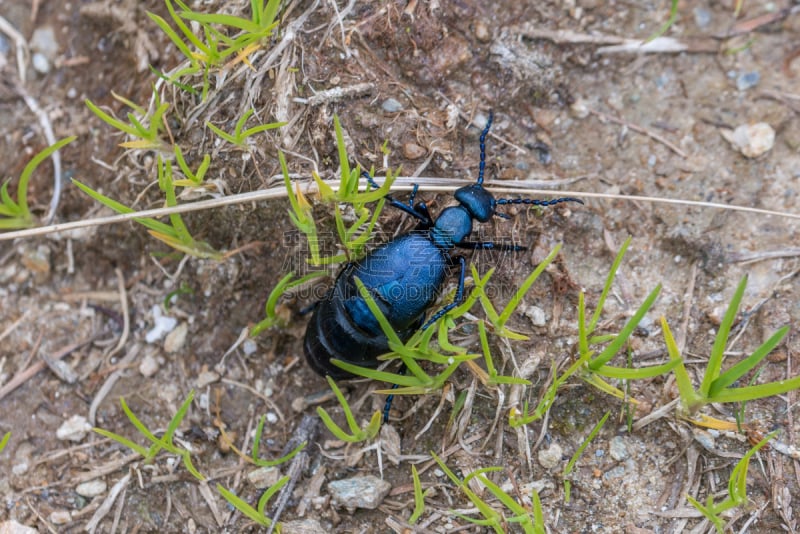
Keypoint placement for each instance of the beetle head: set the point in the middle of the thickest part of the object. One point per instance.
(479, 202)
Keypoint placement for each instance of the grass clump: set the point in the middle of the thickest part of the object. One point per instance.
(16, 214)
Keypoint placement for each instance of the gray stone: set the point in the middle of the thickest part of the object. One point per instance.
(747, 80)
(358, 492)
(92, 488)
(390, 105)
(618, 449)
(551, 458)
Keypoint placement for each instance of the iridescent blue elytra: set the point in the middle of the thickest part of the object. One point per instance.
(404, 277)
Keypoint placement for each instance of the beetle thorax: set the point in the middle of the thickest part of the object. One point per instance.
(452, 226)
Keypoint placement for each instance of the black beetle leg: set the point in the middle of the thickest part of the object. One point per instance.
(459, 294)
(408, 208)
(387, 406)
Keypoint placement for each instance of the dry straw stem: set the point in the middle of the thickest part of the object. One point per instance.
(434, 185)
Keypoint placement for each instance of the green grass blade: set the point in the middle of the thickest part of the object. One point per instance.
(111, 121)
(682, 379)
(615, 346)
(224, 20)
(24, 178)
(152, 224)
(222, 134)
(178, 417)
(582, 447)
(171, 34)
(419, 497)
(612, 273)
(262, 128)
(344, 164)
(122, 441)
(526, 285)
(272, 490)
(673, 16)
(748, 393)
(737, 371)
(718, 350)
(583, 341)
(376, 311)
(244, 507)
(638, 373)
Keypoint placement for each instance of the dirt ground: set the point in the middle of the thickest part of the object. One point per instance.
(571, 110)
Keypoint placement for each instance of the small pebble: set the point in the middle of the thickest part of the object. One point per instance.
(72, 93)
(482, 32)
(302, 526)
(390, 105)
(176, 339)
(5, 45)
(249, 347)
(550, 458)
(702, 17)
(264, 477)
(752, 140)
(162, 325)
(747, 80)
(618, 449)
(412, 150)
(43, 40)
(73, 429)
(23, 458)
(37, 260)
(705, 439)
(149, 366)
(358, 492)
(207, 377)
(579, 109)
(536, 315)
(12, 527)
(40, 63)
(60, 517)
(92, 488)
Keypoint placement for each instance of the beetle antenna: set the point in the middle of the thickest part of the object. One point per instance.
(537, 202)
(483, 147)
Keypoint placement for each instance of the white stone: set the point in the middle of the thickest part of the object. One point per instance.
(205, 378)
(12, 527)
(60, 517)
(551, 458)
(149, 366)
(92, 488)
(752, 140)
(73, 429)
(264, 477)
(176, 339)
(162, 325)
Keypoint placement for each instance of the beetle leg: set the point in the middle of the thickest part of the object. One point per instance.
(459, 294)
(409, 208)
(387, 406)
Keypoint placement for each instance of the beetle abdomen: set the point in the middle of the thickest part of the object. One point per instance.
(404, 277)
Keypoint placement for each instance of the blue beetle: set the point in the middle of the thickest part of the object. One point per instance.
(404, 277)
